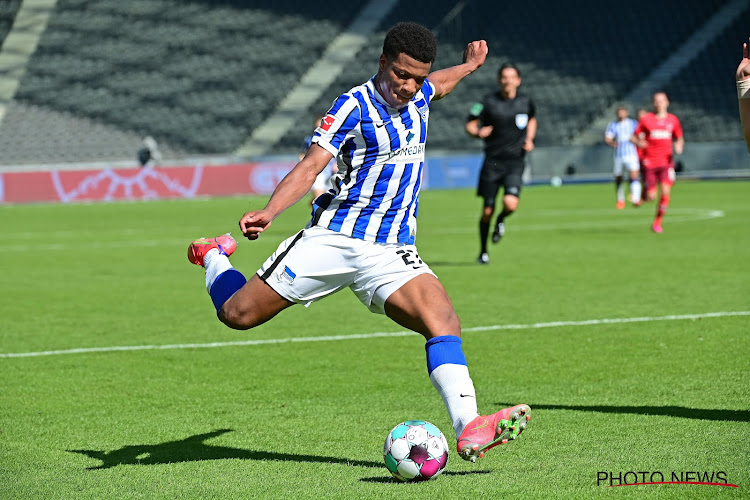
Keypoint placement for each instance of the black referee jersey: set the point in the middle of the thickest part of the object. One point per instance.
(509, 118)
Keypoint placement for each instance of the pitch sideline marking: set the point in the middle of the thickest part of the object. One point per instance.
(552, 324)
(631, 218)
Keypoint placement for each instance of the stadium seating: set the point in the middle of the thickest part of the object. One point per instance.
(199, 75)
(576, 59)
(8, 10)
(704, 98)
(196, 76)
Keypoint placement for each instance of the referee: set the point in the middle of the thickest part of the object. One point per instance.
(506, 121)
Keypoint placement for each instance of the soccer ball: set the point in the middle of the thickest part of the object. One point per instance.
(415, 450)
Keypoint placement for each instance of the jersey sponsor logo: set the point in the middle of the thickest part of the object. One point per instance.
(327, 122)
(522, 119)
(408, 151)
(661, 134)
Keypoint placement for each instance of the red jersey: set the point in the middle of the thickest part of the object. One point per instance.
(659, 134)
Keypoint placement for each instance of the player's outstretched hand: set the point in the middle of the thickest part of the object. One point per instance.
(254, 223)
(476, 53)
(743, 70)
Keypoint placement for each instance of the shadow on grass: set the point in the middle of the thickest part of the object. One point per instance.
(391, 479)
(193, 449)
(666, 411)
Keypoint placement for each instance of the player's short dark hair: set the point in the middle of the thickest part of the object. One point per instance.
(411, 39)
(506, 66)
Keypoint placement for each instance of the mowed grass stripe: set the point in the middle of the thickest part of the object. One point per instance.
(329, 338)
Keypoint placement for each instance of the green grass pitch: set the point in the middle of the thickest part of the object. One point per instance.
(663, 389)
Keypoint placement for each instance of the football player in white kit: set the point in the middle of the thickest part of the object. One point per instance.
(362, 233)
(625, 155)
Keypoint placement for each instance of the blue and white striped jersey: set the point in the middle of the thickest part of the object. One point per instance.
(622, 131)
(380, 155)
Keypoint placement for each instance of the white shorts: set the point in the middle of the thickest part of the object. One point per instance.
(630, 163)
(317, 262)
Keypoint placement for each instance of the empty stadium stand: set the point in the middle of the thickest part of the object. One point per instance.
(8, 10)
(705, 98)
(195, 75)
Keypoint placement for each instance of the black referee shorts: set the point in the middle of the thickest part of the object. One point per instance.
(496, 173)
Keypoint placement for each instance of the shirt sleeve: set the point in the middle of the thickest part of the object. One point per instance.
(340, 120)
(610, 132)
(532, 108)
(639, 129)
(677, 130)
(428, 90)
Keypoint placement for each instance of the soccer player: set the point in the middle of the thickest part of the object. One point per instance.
(656, 133)
(321, 181)
(506, 121)
(362, 232)
(618, 136)
(743, 92)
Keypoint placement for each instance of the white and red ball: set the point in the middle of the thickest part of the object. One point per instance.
(415, 450)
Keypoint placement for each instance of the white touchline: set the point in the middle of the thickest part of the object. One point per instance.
(552, 324)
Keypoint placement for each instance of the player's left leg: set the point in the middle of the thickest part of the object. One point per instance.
(512, 186)
(510, 205)
(422, 305)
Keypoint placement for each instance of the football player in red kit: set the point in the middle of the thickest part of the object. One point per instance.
(656, 133)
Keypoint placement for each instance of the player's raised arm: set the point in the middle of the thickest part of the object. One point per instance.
(743, 92)
(445, 80)
(291, 189)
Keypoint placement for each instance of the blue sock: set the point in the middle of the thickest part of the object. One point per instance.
(442, 350)
(225, 285)
(449, 375)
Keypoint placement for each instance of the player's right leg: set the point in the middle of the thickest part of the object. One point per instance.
(649, 183)
(252, 305)
(489, 185)
(240, 304)
(484, 230)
